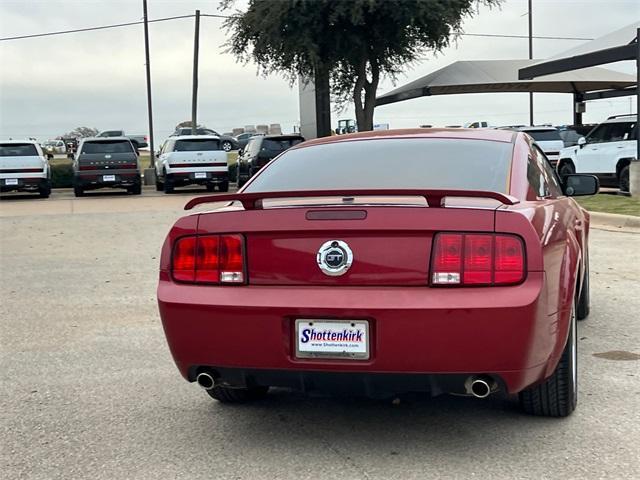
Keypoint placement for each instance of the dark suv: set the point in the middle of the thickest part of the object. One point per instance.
(106, 163)
(260, 150)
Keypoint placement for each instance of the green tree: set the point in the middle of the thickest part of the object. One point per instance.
(354, 42)
(82, 132)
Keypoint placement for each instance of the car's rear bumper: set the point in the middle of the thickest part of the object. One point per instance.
(500, 331)
(190, 177)
(93, 180)
(30, 183)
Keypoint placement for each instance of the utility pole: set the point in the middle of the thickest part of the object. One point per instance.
(194, 99)
(530, 58)
(152, 157)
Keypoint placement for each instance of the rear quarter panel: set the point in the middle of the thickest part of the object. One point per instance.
(558, 233)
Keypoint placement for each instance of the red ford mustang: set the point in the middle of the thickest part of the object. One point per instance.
(441, 261)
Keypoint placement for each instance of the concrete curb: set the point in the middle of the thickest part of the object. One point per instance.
(615, 221)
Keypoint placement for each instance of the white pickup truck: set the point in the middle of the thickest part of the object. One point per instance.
(24, 168)
(605, 152)
(192, 159)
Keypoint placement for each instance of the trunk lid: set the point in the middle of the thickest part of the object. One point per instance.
(196, 158)
(19, 163)
(107, 161)
(391, 245)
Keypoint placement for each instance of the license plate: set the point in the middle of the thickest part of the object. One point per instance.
(200, 175)
(332, 339)
(108, 178)
(11, 181)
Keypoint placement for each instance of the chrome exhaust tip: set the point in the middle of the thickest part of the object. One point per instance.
(479, 387)
(205, 380)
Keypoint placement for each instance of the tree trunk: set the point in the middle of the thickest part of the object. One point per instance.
(364, 110)
(361, 80)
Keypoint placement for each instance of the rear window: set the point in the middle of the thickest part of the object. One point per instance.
(279, 145)
(18, 150)
(544, 135)
(114, 146)
(196, 145)
(390, 163)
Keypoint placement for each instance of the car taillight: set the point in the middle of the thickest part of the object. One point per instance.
(209, 259)
(477, 259)
(87, 167)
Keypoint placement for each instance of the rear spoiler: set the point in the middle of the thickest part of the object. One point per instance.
(251, 201)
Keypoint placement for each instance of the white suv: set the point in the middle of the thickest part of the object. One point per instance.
(192, 159)
(24, 168)
(605, 152)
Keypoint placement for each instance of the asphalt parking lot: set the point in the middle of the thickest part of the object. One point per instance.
(90, 389)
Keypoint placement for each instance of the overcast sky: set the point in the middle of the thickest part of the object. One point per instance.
(50, 85)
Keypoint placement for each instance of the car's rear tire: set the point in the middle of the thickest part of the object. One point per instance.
(78, 191)
(135, 189)
(159, 186)
(558, 395)
(45, 190)
(227, 146)
(566, 168)
(237, 395)
(624, 179)
(584, 302)
(224, 186)
(168, 184)
(210, 187)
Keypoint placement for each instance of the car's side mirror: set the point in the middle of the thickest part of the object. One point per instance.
(582, 142)
(576, 185)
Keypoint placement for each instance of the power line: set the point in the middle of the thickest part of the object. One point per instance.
(128, 24)
(89, 29)
(523, 36)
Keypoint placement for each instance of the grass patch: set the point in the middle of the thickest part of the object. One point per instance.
(61, 172)
(611, 204)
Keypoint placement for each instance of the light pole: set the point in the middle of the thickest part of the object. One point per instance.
(194, 98)
(152, 157)
(530, 58)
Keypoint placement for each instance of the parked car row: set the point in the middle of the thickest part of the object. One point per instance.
(605, 150)
(109, 161)
(112, 162)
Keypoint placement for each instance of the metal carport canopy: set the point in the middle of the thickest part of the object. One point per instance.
(495, 76)
(621, 45)
(614, 47)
